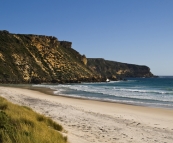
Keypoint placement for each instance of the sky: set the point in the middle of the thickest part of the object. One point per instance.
(129, 31)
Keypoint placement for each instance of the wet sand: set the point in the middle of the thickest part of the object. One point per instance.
(88, 121)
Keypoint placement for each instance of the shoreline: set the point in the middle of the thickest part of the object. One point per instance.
(96, 121)
(50, 91)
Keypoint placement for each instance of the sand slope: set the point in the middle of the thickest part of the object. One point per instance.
(96, 122)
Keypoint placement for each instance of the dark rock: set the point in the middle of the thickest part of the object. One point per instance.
(66, 44)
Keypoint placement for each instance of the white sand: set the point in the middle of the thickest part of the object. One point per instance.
(96, 122)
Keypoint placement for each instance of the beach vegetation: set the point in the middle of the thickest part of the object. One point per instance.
(20, 124)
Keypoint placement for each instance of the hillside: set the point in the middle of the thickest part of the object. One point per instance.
(27, 58)
(116, 70)
(38, 58)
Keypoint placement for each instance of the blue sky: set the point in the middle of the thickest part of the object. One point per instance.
(129, 31)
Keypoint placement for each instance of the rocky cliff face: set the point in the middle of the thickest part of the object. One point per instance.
(39, 58)
(27, 58)
(116, 70)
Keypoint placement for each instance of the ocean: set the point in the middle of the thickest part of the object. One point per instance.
(154, 92)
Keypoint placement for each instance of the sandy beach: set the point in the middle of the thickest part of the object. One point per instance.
(88, 121)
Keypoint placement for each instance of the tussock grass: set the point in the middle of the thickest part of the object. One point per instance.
(3, 105)
(49, 122)
(20, 124)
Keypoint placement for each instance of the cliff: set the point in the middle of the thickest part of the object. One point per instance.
(27, 58)
(116, 70)
(38, 58)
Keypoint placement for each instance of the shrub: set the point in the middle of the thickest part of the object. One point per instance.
(40, 118)
(3, 106)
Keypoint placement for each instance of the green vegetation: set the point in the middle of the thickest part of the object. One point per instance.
(20, 124)
(116, 70)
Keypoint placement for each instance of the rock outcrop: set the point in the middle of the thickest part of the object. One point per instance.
(84, 59)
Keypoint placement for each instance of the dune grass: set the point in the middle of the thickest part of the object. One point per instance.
(20, 124)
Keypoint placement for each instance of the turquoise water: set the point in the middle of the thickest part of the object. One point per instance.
(156, 92)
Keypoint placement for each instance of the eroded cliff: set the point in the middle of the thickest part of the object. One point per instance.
(38, 58)
(27, 58)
